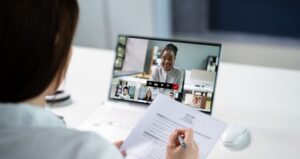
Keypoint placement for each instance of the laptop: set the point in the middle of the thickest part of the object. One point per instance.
(189, 76)
(146, 66)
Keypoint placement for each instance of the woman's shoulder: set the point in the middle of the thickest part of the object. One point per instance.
(91, 145)
(178, 70)
(88, 144)
(62, 143)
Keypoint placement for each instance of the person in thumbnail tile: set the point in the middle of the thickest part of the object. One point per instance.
(166, 72)
(148, 96)
(172, 95)
(125, 94)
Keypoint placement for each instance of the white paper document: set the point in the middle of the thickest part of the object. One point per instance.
(149, 138)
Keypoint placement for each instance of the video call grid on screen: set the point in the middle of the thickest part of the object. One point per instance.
(183, 70)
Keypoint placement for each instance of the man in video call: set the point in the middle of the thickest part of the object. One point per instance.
(125, 94)
(167, 72)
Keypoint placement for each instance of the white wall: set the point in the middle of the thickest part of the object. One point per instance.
(91, 30)
(255, 50)
(102, 20)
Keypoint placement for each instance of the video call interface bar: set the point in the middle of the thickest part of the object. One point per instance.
(156, 84)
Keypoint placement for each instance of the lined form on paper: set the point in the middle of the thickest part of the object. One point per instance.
(149, 138)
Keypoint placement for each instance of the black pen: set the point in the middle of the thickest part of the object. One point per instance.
(181, 141)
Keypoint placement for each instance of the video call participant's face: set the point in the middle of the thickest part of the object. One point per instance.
(167, 60)
(149, 94)
(196, 100)
(125, 91)
(171, 94)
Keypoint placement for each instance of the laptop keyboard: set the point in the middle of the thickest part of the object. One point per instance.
(115, 116)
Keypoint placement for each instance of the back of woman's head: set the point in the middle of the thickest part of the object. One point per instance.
(35, 39)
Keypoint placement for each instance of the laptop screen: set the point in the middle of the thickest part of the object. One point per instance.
(186, 71)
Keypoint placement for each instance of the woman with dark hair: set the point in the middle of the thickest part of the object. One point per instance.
(148, 96)
(35, 44)
(166, 72)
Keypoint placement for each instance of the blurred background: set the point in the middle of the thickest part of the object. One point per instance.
(255, 32)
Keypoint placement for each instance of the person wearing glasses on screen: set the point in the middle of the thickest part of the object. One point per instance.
(166, 72)
(35, 44)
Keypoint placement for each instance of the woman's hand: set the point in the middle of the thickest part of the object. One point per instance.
(176, 151)
(118, 145)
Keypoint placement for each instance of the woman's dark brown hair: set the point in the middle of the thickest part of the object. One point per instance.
(35, 39)
(170, 47)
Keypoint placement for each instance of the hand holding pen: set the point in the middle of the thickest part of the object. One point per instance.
(181, 141)
(181, 145)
